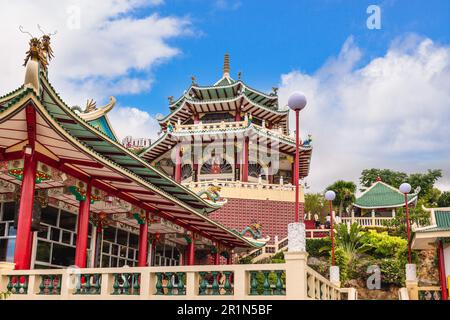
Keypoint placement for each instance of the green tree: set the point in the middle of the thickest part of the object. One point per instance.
(425, 181)
(345, 194)
(393, 178)
(314, 203)
(444, 200)
(397, 226)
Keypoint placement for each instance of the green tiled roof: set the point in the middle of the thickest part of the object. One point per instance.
(381, 195)
(442, 219)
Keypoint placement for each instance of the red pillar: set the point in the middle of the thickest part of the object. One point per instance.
(22, 252)
(237, 117)
(245, 161)
(217, 258)
(293, 172)
(442, 277)
(143, 243)
(191, 252)
(230, 258)
(178, 163)
(83, 229)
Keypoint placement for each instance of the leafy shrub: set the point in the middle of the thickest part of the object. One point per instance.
(392, 272)
(383, 245)
(313, 247)
(342, 260)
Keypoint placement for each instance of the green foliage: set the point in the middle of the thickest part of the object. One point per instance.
(352, 240)
(444, 200)
(342, 260)
(397, 225)
(392, 272)
(383, 245)
(245, 260)
(314, 246)
(279, 256)
(314, 203)
(425, 181)
(393, 178)
(345, 194)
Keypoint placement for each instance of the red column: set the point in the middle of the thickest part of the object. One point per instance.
(143, 243)
(83, 229)
(297, 166)
(178, 163)
(245, 161)
(442, 277)
(217, 258)
(237, 117)
(191, 252)
(22, 252)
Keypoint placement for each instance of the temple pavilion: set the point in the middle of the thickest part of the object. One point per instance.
(230, 143)
(378, 203)
(71, 194)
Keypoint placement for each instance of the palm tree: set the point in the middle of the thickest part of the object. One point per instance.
(345, 194)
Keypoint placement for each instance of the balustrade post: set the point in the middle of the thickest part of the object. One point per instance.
(145, 289)
(66, 285)
(296, 282)
(241, 281)
(191, 284)
(106, 284)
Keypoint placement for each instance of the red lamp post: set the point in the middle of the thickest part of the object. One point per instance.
(405, 188)
(297, 102)
(330, 196)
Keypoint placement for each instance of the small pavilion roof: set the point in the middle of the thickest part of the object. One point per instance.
(425, 237)
(68, 142)
(382, 195)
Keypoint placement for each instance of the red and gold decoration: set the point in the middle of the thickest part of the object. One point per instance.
(100, 219)
(15, 169)
(79, 190)
(139, 215)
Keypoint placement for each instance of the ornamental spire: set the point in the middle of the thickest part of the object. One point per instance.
(226, 65)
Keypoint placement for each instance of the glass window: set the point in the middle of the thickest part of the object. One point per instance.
(66, 237)
(130, 253)
(134, 240)
(67, 220)
(12, 230)
(106, 247)
(43, 251)
(49, 215)
(123, 252)
(109, 234)
(115, 249)
(63, 255)
(43, 233)
(113, 262)
(105, 261)
(7, 249)
(2, 229)
(9, 211)
(122, 237)
(54, 234)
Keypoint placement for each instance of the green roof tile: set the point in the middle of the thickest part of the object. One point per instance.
(442, 219)
(381, 195)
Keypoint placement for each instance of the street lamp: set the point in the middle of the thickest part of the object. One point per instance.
(405, 188)
(297, 102)
(330, 195)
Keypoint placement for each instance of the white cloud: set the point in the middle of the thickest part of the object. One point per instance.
(111, 52)
(392, 112)
(134, 122)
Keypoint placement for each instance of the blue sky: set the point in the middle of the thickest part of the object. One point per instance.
(267, 38)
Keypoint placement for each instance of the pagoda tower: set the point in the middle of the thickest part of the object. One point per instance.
(230, 143)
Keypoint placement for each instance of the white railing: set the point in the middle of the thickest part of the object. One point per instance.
(270, 249)
(210, 126)
(239, 184)
(366, 221)
(319, 288)
(280, 281)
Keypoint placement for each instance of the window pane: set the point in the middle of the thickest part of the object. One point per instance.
(134, 239)
(122, 237)
(67, 220)
(66, 237)
(9, 210)
(106, 247)
(2, 229)
(63, 255)
(109, 234)
(7, 249)
(54, 234)
(115, 249)
(43, 251)
(49, 215)
(105, 261)
(43, 234)
(113, 262)
(123, 252)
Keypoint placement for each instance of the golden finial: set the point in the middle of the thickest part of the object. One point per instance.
(226, 65)
(239, 75)
(193, 80)
(170, 99)
(274, 91)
